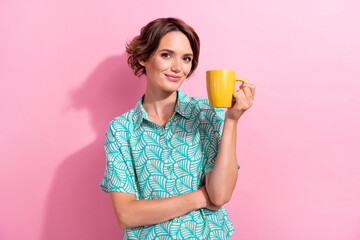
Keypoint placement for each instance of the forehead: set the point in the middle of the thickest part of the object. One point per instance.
(176, 41)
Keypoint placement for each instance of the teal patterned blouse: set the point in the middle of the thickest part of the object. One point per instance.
(151, 162)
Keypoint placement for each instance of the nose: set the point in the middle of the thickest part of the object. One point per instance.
(175, 67)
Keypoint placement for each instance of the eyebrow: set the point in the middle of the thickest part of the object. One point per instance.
(171, 51)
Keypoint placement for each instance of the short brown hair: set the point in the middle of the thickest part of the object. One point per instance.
(143, 46)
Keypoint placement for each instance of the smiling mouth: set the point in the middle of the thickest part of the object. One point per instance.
(173, 78)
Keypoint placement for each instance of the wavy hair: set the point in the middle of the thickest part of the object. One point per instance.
(143, 46)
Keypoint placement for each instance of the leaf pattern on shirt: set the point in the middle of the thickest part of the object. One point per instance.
(151, 162)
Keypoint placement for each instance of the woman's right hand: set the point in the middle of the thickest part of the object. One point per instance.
(208, 204)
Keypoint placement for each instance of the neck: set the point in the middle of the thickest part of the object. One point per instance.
(159, 105)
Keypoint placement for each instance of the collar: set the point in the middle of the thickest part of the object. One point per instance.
(183, 108)
(183, 105)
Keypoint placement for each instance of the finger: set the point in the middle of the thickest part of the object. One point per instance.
(245, 84)
(239, 94)
(252, 88)
(248, 93)
(249, 96)
(239, 99)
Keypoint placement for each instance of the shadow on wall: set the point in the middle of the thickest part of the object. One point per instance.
(76, 207)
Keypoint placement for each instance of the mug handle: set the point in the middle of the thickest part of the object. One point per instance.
(242, 80)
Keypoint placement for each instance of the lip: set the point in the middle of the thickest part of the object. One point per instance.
(173, 78)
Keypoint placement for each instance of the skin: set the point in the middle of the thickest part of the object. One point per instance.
(166, 70)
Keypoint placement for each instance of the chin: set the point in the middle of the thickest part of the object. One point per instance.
(172, 86)
(171, 89)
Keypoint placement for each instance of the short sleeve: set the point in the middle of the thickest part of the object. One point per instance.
(119, 175)
(213, 137)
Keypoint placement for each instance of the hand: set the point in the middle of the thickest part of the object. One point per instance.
(207, 203)
(244, 98)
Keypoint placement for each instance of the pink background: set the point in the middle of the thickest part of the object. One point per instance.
(64, 77)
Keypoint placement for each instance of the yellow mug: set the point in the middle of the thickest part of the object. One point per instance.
(220, 87)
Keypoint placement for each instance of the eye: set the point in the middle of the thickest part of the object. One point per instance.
(187, 59)
(165, 55)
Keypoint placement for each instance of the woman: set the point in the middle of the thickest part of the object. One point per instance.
(171, 161)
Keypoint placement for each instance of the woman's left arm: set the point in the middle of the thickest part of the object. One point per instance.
(221, 181)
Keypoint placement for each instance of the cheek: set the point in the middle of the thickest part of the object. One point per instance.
(161, 64)
(165, 65)
(187, 68)
(157, 65)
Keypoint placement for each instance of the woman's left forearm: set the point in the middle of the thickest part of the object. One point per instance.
(221, 181)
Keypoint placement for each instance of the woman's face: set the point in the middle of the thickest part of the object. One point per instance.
(170, 64)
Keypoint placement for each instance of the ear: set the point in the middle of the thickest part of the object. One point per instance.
(142, 63)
